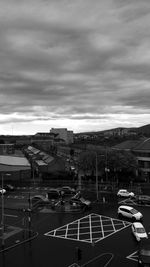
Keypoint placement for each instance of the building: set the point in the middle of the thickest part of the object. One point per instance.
(7, 149)
(64, 134)
(44, 141)
(15, 168)
(43, 164)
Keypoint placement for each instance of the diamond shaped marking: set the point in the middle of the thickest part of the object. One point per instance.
(91, 228)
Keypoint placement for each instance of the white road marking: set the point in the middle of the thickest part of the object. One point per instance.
(66, 231)
(78, 229)
(133, 256)
(90, 233)
(101, 226)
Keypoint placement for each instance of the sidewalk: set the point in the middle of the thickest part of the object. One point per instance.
(14, 236)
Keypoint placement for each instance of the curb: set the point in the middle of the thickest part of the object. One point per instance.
(19, 243)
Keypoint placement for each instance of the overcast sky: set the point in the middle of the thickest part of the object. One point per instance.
(79, 64)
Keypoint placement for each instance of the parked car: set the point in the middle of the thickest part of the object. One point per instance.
(53, 194)
(125, 193)
(67, 190)
(144, 253)
(2, 190)
(39, 198)
(143, 199)
(80, 202)
(85, 201)
(129, 212)
(138, 231)
(78, 196)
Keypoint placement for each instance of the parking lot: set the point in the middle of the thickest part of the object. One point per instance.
(101, 236)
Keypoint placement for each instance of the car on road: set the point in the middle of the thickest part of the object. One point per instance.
(2, 190)
(82, 203)
(138, 231)
(125, 193)
(67, 190)
(143, 199)
(129, 212)
(144, 253)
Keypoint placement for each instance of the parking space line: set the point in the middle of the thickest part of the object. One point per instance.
(113, 225)
(101, 226)
(78, 229)
(66, 231)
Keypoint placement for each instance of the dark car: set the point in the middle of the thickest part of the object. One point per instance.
(80, 202)
(144, 253)
(67, 190)
(38, 200)
(143, 199)
(53, 194)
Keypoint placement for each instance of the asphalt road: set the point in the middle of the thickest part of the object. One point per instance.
(55, 246)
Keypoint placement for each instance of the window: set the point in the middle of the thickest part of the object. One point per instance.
(133, 211)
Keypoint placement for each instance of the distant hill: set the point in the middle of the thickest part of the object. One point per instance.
(143, 130)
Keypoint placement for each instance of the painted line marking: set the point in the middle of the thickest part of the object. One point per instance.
(133, 256)
(91, 228)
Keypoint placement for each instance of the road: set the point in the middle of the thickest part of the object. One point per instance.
(97, 232)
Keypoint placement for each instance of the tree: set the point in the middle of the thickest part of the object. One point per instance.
(116, 162)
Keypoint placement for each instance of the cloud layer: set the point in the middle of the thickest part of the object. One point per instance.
(84, 65)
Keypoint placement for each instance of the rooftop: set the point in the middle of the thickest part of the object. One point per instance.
(14, 161)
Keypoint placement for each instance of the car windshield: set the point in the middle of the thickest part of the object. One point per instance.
(145, 252)
(133, 211)
(140, 230)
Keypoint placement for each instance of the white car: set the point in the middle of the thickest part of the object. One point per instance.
(2, 191)
(138, 231)
(125, 193)
(129, 212)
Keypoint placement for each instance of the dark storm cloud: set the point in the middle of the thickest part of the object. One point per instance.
(74, 59)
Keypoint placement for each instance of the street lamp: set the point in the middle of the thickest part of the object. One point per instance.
(97, 198)
(2, 221)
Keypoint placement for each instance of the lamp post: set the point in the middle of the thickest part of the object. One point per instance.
(29, 214)
(2, 221)
(2, 197)
(97, 198)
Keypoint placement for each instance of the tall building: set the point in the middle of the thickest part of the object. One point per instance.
(64, 134)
